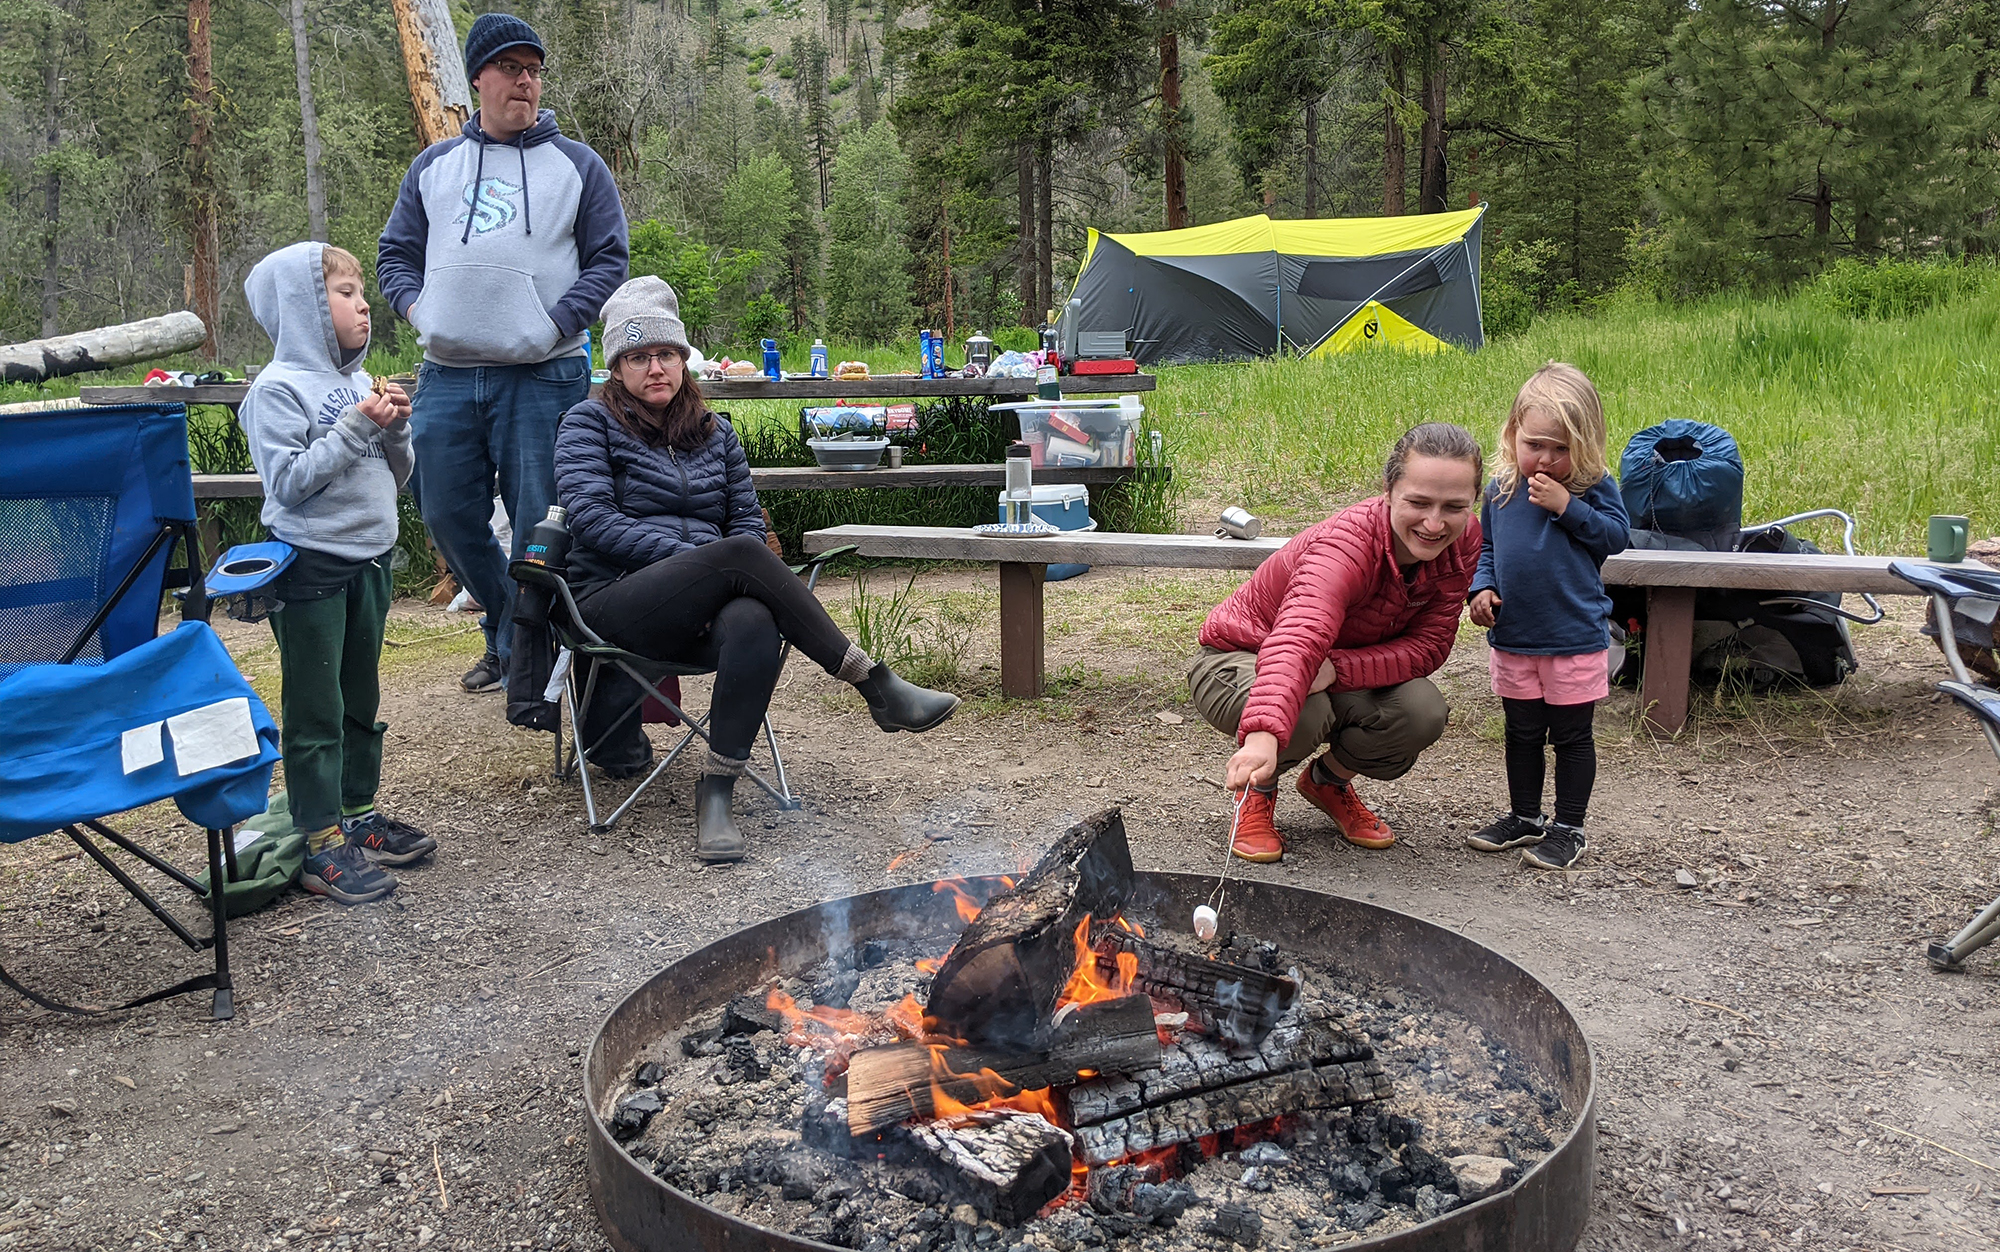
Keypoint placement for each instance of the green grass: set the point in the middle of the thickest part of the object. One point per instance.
(1892, 420)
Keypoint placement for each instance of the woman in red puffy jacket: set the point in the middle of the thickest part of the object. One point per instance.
(1332, 640)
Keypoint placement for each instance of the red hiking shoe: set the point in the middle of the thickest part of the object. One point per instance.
(1257, 838)
(1357, 822)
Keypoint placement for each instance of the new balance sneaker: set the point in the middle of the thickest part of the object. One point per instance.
(1358, 823)
(485, 676)
(1509, 830)
(344, 874)
(1561, 848)
(386, 841)
(1257, 838)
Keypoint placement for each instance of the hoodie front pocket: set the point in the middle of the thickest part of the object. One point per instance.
(482, 315)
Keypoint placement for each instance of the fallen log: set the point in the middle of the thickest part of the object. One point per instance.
(38, 360)
(999, 987)
(895, 1083)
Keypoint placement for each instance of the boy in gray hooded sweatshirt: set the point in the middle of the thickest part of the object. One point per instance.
(333, 453)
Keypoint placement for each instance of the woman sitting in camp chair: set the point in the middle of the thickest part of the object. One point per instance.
(668, 557)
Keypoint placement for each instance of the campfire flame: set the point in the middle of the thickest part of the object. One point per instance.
(994, 1091)
(1086, 985)
(968, 908)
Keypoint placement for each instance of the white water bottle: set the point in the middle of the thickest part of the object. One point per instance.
(819, 358)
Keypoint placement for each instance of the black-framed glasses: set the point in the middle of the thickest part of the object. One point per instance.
(645, 360)
(514, 69)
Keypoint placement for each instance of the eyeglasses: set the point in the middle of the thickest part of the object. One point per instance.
(645, 360)
(514, 69)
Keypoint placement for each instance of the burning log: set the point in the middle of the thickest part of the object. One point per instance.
(1006, 1164)
(1225, 1108)
(893, 1084)
(1234, 1002)
(1194, 1064)
(999, 987)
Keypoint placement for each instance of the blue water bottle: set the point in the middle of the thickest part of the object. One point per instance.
(771, 370)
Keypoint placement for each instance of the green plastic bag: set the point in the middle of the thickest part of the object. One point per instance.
(270, 851)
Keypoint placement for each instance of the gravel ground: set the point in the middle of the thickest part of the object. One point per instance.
(1778, 1064)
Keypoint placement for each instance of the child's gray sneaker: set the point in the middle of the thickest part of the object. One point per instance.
(1509, 830)
(1561, 848)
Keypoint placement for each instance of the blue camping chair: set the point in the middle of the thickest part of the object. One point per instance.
(103, 714)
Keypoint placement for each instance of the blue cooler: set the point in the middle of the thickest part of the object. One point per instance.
(1065, 507)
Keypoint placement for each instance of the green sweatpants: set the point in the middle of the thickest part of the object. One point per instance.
(328, 650)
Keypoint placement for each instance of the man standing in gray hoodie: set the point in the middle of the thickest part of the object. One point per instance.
(501, 263)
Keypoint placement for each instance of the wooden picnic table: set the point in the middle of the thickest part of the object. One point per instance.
(805, 478)
(1671, 580)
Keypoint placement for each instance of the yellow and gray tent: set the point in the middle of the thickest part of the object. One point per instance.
(1254, 286)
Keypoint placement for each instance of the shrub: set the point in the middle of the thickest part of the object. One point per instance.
(839, 84)
(1892, 288)
(1015, 339)
(1518, 281)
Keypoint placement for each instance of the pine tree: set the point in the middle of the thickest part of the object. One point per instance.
(816, 110)
(803, 243)
(868, 264)
(1779, 138)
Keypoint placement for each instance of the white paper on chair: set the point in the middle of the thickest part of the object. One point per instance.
(557, 677)
(212, 735)
(141, 747)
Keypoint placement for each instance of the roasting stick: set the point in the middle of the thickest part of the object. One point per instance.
(1208, 917)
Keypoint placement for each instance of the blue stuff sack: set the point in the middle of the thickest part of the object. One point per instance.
(1684, 478)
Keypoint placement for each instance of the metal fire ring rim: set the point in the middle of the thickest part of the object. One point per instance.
(1522, 1218)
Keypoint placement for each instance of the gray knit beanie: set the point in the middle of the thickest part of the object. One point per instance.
(643, 314)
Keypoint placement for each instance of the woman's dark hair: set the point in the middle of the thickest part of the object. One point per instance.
(1439, 439)
(684, 425)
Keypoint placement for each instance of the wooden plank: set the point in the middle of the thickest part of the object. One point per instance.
(1759, 571)
(1021, 624)
(949, 543)
(230, 394)
(797, 478)
(1669, 655)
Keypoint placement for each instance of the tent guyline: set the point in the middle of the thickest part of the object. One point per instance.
(1249, 287)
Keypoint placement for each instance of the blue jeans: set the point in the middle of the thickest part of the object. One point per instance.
(468, 423)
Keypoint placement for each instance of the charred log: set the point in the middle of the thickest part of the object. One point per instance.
(1223, 1109)
(999, 986)
(893, 1084)
(1005, 1164)
(1232, 1002)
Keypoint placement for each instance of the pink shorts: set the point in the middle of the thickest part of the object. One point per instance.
(1556, 679)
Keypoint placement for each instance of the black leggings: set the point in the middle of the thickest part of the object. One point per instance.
(1530, 724)
(724, 605)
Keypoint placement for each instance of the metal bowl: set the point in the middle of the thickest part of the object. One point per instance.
(848, 454)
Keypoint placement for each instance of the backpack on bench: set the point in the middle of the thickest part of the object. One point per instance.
(1682, 482)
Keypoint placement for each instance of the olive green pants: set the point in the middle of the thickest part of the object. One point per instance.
(1379, 733)
(328, 652)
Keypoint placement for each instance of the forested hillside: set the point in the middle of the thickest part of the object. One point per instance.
(808, 166)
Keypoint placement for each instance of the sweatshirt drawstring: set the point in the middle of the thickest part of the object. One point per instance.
(478, 176)
(527, 212)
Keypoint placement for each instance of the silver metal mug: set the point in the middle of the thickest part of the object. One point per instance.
(1237, 523)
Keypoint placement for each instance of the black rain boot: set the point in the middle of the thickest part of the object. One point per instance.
(899, 705)
(715, 835)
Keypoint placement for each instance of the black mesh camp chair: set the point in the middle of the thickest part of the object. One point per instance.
(1948, 587)
(582, 685)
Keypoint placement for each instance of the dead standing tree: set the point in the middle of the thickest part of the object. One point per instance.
(439, 93)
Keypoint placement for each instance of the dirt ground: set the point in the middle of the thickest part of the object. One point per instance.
(1777, 1064)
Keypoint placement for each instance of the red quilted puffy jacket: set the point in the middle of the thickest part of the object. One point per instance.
(1334, 592)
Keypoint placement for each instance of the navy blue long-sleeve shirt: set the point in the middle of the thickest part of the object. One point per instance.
(1547, 569)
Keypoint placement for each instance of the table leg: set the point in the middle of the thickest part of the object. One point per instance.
(1669, 655)
(1021, 629)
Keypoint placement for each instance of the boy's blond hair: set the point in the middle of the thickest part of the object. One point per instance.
(337, 263)
(1563, 392)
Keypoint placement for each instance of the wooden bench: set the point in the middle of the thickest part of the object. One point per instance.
(1670, 578)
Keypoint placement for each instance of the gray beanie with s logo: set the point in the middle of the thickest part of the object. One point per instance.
(644, 315)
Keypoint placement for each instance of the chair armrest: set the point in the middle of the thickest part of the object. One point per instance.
(811, 567)
(246, 567)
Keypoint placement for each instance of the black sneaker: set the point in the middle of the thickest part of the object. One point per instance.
(485, 676)
(344, 874)
(386, 841)
(1561, 848)
(1509, 830)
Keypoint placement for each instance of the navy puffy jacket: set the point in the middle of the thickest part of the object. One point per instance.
(631, 505)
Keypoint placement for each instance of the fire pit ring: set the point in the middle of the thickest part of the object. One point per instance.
(1544, 1211)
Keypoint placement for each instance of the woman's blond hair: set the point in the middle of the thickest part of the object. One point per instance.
(1563, 392)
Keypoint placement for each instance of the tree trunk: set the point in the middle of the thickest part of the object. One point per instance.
(205, 285)
(435, 67)
(41, 359)
(944, 234)
(52, 176)
(309, 125)
(1431, 172)
(1045, 234)
(1312, 159)
(1395, 172)
(1823, 207)
(1024, 174)
(1170, 118)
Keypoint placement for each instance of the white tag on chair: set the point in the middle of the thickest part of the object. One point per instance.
(557, 677)
(215, 734)
(141, 747)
